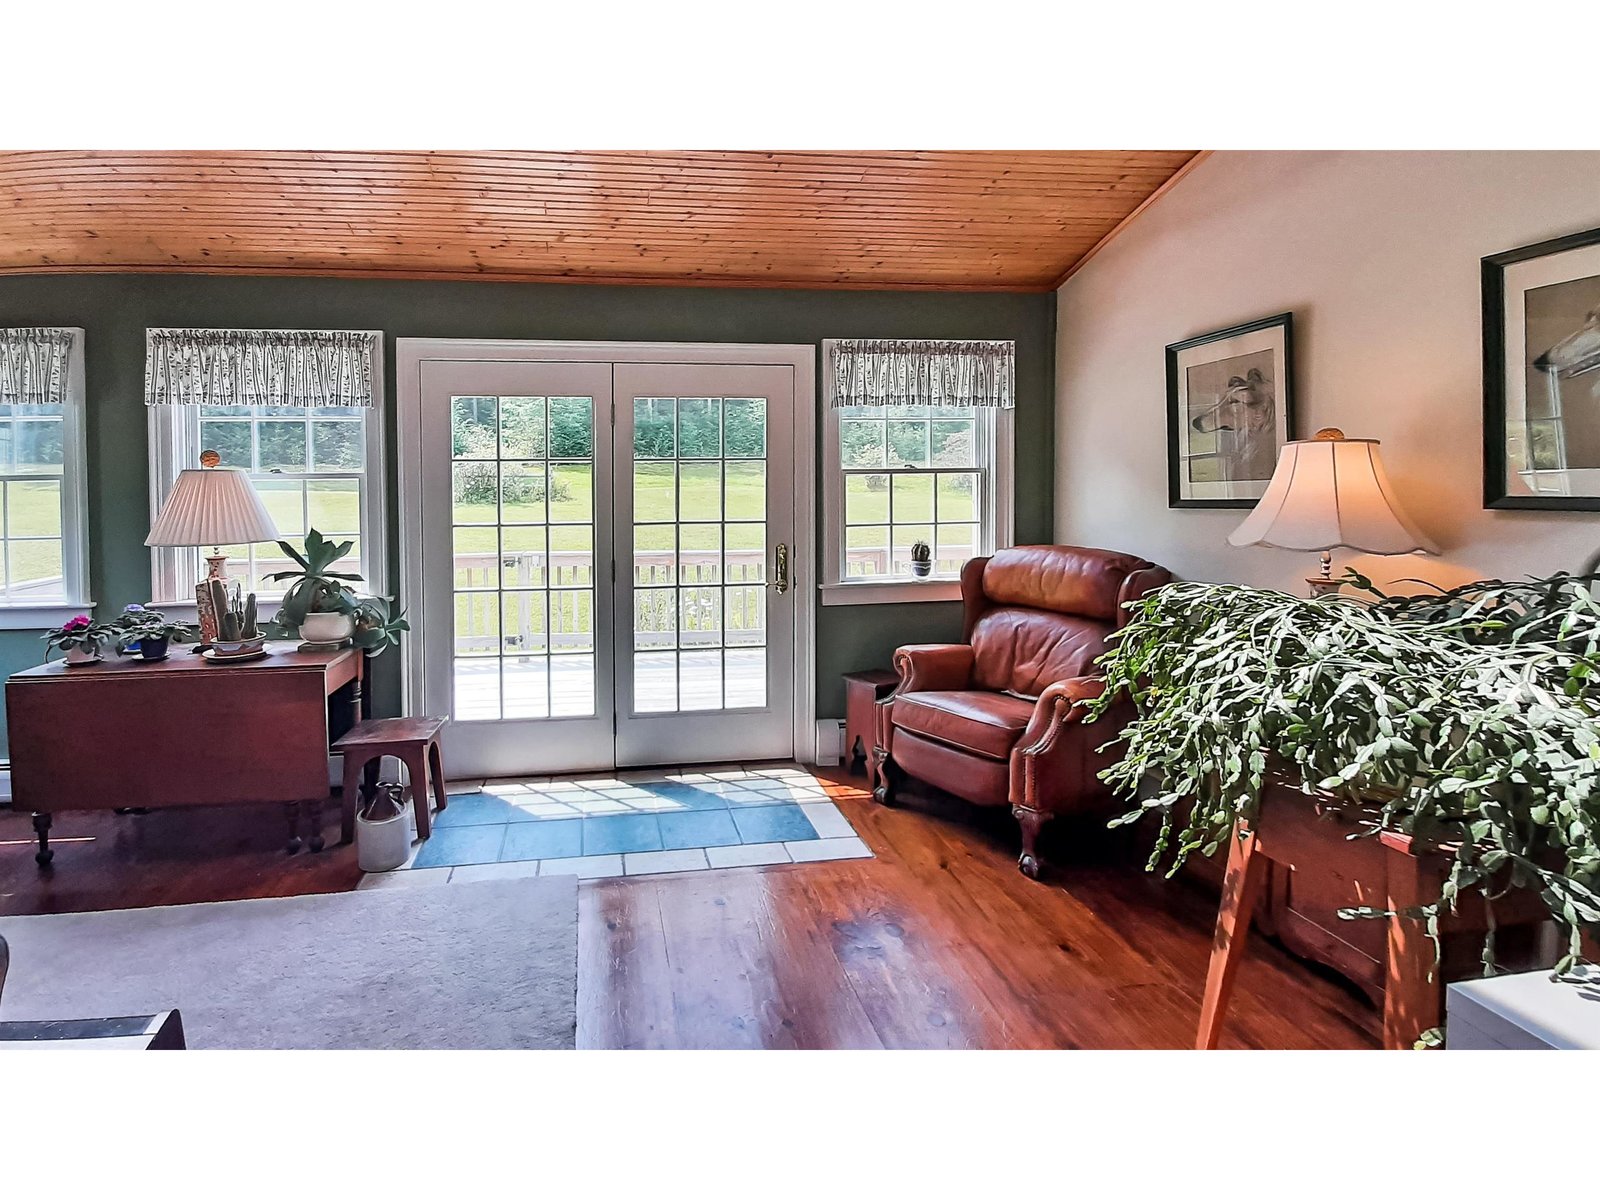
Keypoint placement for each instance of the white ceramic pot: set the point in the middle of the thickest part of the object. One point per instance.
(327, 627)
(77, 656)
(383, 845)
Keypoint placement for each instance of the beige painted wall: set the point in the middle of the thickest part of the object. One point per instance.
(1376, 254)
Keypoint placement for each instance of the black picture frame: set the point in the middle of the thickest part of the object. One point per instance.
(1175, 498)
(1494, 374)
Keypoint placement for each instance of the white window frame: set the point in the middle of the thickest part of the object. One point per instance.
(45, 614)
(172, 448)
(996, 503)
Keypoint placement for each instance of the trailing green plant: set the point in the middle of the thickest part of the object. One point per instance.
(1469, 719)
(377, 627)
(316, 588)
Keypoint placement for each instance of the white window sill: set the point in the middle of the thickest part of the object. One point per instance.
(50, 615)
(890, 591)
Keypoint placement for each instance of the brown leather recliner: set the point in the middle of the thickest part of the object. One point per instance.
(995, 719)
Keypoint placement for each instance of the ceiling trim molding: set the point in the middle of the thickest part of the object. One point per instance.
(1176, 178)
(664, 281)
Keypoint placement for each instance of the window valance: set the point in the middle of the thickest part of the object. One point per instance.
(981, 374)
(33, 365)
(300, 368)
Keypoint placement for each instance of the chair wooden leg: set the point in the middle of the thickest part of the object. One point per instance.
(1032, 821)
(417, 767)
(889, 777)
(436, 772)
(1240, 888)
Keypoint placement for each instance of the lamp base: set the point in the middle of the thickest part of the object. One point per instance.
(1324, 584)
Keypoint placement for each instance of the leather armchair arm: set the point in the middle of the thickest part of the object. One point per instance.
(1056, 763)
(1059, 705)
(933, 668)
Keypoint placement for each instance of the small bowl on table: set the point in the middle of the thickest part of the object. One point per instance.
(243, 648)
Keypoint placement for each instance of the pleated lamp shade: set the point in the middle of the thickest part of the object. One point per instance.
(1327, 492)
(212, 506)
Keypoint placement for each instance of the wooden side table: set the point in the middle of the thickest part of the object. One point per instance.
(1388, 871)
(862, 691)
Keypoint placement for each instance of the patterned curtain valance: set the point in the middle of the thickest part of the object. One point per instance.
(302, 368)
(982, 374)
(33, 365)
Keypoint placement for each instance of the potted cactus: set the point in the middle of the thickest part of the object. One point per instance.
(921, 559)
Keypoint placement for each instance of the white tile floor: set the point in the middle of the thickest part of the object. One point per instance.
(570, 796)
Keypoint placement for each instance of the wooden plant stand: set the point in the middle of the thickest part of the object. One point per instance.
(1388, 871)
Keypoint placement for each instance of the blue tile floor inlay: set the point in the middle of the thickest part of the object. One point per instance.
(542, 839)
(566, 819)
(459, 847)
(696, 830)
(775, 823)
(631, 834)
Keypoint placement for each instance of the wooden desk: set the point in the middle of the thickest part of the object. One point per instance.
(130, 734)
(1387, 871)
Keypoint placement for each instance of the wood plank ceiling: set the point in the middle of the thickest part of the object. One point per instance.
(996, 220)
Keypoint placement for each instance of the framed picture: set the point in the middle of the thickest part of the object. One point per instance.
(1230, 409)
(1541, 375)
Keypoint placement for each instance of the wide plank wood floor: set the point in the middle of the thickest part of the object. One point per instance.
(937, 942)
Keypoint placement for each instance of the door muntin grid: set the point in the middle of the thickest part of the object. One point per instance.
(523, 557)
(698, 554)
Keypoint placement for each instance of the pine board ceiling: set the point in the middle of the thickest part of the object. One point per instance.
(954, 219)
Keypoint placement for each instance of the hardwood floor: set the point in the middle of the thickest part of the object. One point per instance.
(937, 942)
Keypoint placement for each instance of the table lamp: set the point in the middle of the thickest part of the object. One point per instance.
(1330, 491)
(214, 506)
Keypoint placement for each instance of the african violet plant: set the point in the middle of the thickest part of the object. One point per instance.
(1468, 718)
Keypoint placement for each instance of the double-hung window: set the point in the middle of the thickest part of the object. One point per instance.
(900, 473)
(315, 466)
(44, 575)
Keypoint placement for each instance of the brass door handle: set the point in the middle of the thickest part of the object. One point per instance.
(780, 569)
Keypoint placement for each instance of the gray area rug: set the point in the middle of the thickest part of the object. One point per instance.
(489, 965)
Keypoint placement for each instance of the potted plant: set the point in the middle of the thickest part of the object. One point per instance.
(322, 609)
(1466, 718)
(80, 640)
(921, 559)
(148, 633)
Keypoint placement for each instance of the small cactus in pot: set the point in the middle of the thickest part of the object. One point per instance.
(921, 559)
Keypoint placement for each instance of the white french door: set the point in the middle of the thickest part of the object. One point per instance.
(605, 559)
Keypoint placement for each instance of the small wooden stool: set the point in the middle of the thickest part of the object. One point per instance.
(862, 691)
(415, 742)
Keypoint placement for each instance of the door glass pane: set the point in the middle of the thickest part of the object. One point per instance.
(700, 492)
(744, 552)
(522, 555)
(699, 553)
(523, 532)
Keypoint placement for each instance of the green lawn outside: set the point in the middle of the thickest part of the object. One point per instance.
(33, 511)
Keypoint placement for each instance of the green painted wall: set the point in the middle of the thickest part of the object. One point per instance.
(114, 311)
